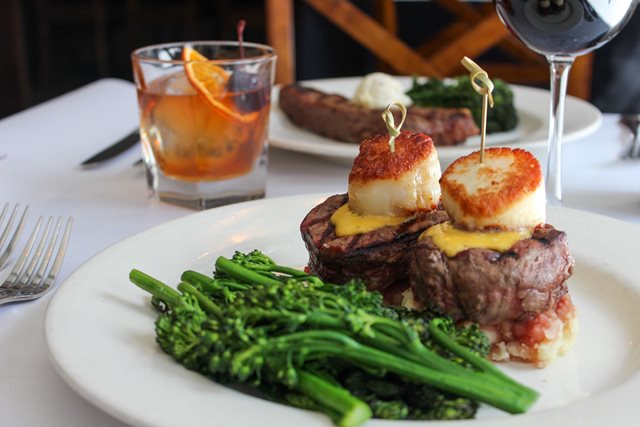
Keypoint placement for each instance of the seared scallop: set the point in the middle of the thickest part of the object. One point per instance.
(398, 183)
(505, 192)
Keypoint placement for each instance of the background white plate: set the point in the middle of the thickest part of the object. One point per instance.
(100, 328)
(581, 119)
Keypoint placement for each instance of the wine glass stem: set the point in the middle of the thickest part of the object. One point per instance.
(559, 66)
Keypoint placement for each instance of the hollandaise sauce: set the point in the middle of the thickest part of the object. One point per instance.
(349, 223)
(452, 240)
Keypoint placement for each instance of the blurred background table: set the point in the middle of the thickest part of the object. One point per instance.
(43, 147)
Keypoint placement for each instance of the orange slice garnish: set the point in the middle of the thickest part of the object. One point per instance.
(209, 80)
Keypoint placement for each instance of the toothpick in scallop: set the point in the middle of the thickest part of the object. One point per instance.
(389, 120)
(484, 86)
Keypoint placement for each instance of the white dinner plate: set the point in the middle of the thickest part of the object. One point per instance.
(581, 119)
(100, 328)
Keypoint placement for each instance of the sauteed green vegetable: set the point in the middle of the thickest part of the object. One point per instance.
(458, 93)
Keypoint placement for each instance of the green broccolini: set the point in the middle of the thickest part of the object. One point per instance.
(334, 349)
(458, 93)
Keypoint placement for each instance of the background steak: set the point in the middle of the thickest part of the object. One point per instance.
(489, 287)
(336, 117)
(379, 256)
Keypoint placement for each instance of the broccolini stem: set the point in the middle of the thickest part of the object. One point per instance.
(240, 272)
(231, 268)
(156, 288)
(294, 272)
(472, 384)
(415, 351)
(352, 411)
(408, 345)
(208, 283)
(479, 362)
(299, 274)
(205, 303)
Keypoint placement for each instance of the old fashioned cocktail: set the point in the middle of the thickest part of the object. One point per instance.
(204, 113)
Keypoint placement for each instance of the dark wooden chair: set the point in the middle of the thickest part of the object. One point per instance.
(475, 30)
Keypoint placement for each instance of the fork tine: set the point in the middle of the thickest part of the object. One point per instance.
(17, 268)
(62, 249)
(27, 273)
(16, 234)
(7, 229)
(37, 279)
(4, 212)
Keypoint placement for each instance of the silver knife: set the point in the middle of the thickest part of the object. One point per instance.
(113, 150)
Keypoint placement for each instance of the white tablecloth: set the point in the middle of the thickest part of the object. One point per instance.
(42, 148)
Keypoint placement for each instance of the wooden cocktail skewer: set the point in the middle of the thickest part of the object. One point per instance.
(389, 121)
(484, 86)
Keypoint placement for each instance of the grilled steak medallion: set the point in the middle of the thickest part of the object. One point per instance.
(334, 116)
(380, 257)
(489, 287)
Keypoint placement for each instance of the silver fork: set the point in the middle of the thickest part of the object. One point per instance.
(4, 254)
(34, 273)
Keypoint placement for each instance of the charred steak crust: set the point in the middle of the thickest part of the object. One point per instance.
(334, 116)
(380, 256)
(489, 287)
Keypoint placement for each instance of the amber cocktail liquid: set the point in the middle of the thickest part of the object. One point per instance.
(195, 140)
(204, 123)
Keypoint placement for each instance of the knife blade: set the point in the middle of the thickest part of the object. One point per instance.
(113, 150)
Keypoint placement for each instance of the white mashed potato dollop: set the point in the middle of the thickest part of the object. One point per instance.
(377, 90)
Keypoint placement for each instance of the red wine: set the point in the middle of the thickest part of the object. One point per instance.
(565, 27)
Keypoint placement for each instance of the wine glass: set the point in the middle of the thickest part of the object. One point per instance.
(562, 30)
